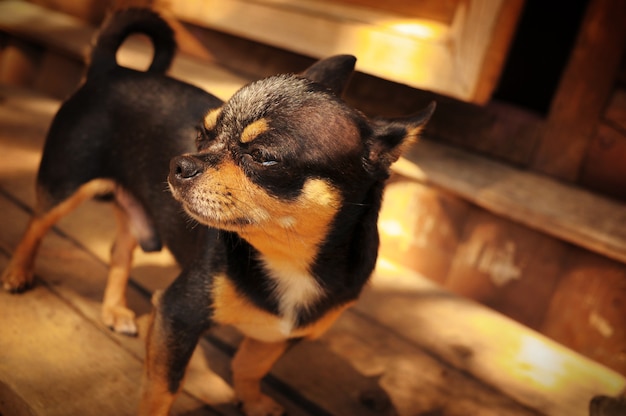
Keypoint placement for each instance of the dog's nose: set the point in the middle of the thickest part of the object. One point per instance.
(185, 167)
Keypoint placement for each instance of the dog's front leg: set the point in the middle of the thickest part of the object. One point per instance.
(174, 332)
(253, 361)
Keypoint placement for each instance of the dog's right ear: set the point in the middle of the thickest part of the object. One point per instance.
(390, 137)
(333, 72)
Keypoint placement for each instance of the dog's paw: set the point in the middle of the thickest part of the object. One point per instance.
(16, 279)
(262, 406)
(120, 319)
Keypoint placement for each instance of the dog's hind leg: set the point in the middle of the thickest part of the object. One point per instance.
(253, 361)
(115, 313)
(18, 275)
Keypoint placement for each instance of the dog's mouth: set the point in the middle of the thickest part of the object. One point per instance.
(216, 218)
(215, 209)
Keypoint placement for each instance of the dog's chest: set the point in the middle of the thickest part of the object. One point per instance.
(294, 288)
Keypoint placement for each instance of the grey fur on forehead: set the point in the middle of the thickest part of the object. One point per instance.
(268, 96)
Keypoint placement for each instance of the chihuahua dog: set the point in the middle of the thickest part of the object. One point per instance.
(288, 180)
(284, 179)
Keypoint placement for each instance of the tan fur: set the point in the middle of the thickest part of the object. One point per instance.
(253, 130)
(252, 361)
(156, 399)
(19, 273)
(230, 308)
(225, 198)
(115, 313)
(210, 119)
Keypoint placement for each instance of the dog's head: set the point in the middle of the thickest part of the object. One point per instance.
(287, 153)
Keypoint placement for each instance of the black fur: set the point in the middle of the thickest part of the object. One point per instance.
(126, 125)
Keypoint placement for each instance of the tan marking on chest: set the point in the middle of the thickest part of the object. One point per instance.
(231, 308)
(253, 130)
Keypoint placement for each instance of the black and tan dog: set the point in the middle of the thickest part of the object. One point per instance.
(285, 177)
(113, 139)
(289, 181)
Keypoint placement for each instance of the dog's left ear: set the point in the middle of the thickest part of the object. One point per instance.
(391, 136)
(333, 72)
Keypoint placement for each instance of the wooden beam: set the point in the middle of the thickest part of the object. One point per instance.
(557, 209)
(583, 91)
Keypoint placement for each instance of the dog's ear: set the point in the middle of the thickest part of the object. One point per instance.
(333, 72)
(391, 136)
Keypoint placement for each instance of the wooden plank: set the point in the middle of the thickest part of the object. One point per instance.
(322, 29)
(497, 130)
(55, 362)
(64, 33)
(417, 382)
(563, 211)
(395, 376)
(596, 325)
(389, 45)
(521, 363)
(504, 265)
(58, 75)
(583, 90)
(18, 63)
(441, 11)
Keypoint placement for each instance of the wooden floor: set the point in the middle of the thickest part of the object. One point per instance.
(407, 348)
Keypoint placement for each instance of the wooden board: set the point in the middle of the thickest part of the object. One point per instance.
(507, 267)
(588, 309)
(557, 209)
(389, 45)
(532, 369)
(56, 363)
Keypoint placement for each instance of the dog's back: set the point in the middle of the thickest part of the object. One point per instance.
(126, 125)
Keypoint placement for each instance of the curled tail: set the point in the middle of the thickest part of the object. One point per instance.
(124, 23)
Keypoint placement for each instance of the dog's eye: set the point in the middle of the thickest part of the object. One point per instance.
(199, 135)
(262, 158)
(202, 137)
